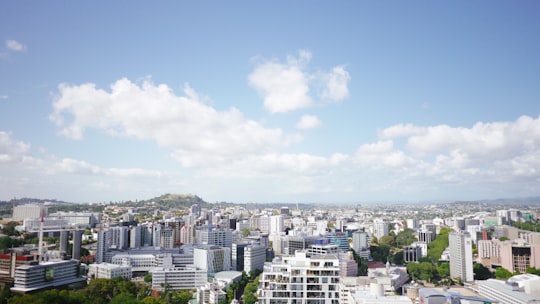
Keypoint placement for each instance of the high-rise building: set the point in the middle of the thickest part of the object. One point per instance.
(210, 235)
(276, 224)
(300, 279)
(136, 236)
(461, 259)
(166, 239)
(77, 244)
(237, 256)
(118, 237)
(102, 245)
(380, 228)
(359, 241)
(254, 257)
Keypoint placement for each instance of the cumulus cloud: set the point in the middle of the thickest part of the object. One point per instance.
(286, 87)
(191, 129)
(336, 84)
(17, 152)
(308, 122)
(11, 151)
(16, 46)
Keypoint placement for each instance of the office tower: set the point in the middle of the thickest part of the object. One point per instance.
(187, 234)
(359, 241)
(64, 241)
(136, 237)
(518, 255)
(102, 246)
(254, 257)
(461, 259)
(412, 223)
(237, 256)
(276, 224)
(210, 235)
(118, 237)
(212, 258)
(166, 239)
(300, 279)
(77, 243)
(380, 228)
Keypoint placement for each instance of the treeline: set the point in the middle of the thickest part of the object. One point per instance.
(100, 291)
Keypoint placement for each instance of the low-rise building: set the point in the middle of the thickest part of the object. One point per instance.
(52, 274)
(108, 271)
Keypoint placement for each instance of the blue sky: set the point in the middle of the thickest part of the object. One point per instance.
(274, 101)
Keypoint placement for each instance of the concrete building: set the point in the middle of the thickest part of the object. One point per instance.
(505, 292)
(52, 274)
(461, 259)
(28, 211)
(108, 271)
(176, 278)
(380, 228)
(359, 241)
(276, 224)
(212, 258)
(300, 279)
(518, 255)
(210, 293)
(210, 235)
(254, 257)
(412, 253)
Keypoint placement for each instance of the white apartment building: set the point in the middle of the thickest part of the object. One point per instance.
(23, 212)
(300, 279)
(108, 271)
(276, 224)
(359, 241)
(214, 236)
(254, 257)
(461, 258)
(380, 228)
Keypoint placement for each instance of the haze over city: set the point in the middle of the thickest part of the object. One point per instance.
(266, 102)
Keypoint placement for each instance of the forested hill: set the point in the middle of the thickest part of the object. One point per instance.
(169, 201)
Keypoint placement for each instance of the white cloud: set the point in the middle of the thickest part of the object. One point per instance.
(285, 87)
(4, 97)
(193, 130)
(308, 122)
(15, 46)
(11, 151)
(336, 84)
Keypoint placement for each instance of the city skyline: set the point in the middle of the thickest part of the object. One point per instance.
(270, 102)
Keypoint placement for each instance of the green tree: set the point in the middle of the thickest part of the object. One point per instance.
(245, 232)
(533, 270)
(124, 298)
(437, 246)
(502, 273)
(444, 270)
(148, 277)
(481, 272)
(152, 300)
